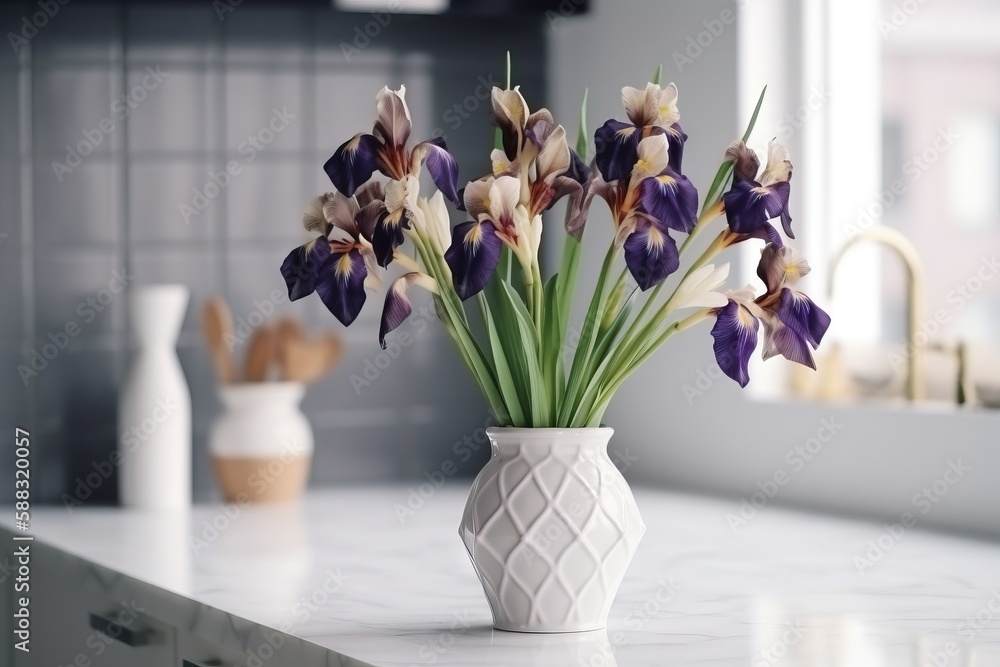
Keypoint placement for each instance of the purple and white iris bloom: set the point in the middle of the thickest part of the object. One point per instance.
(397, 302)
(639, 165)
(536, 152)
(535, 168)
(652, 111)
(385, 151)
(792, 322)
(339, 262)
(754, 200)
(498, 219)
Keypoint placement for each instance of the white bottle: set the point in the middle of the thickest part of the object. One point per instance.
(154, 407)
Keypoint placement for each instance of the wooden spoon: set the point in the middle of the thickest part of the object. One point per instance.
(308, 360)
(287, 330)
(217, 328)
(260, 353)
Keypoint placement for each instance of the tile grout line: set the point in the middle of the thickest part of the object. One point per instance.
(121, 353)
(27, 164)
(216, 62)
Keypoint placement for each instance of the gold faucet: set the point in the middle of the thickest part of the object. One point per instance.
(916, 387)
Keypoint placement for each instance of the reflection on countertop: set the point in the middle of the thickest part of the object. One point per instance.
(380, 576)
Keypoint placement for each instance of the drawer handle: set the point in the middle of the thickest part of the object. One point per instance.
(117, 631)
(209, 663)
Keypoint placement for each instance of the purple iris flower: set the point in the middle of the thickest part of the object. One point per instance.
(753, 201)
(498, 220)
(397, 302)
(534, 169)
(639, 175)
(792, 322)
(645, 207)
(651, 111)
(337, 263)
(385, 151)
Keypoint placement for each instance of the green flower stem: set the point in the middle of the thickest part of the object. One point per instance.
(613, 301)
(709, 215)
(539, 289)
(619, 379)
(569, 269)
(581, 359)
(632, 343)
(714, 248)
(458, 327)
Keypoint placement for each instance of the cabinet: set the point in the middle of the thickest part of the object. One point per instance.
(74, 625)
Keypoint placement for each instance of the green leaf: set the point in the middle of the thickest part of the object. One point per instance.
(581, 359)
(611, 331)
(551, 353)
(534, 386)
(599, 371)
(726, 168)
(658, 74)
(477, 364)
(753, 118)
(569, 269)
(718, 185)
(497, 134)
(505, 379)
(582, 141)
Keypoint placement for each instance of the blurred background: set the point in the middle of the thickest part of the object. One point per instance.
(119, 120)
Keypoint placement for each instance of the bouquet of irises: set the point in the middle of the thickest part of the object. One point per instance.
(509, 322)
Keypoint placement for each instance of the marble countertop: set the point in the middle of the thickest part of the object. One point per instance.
(358, 584)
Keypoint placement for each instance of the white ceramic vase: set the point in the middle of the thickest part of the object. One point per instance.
(262, 443)
(154, 408)
(551, 526)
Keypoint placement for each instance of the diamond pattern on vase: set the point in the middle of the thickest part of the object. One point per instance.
(551, 526)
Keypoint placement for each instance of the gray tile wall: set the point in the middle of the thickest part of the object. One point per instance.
(64, 235)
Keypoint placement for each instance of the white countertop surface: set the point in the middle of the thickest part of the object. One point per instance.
(342, 572)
